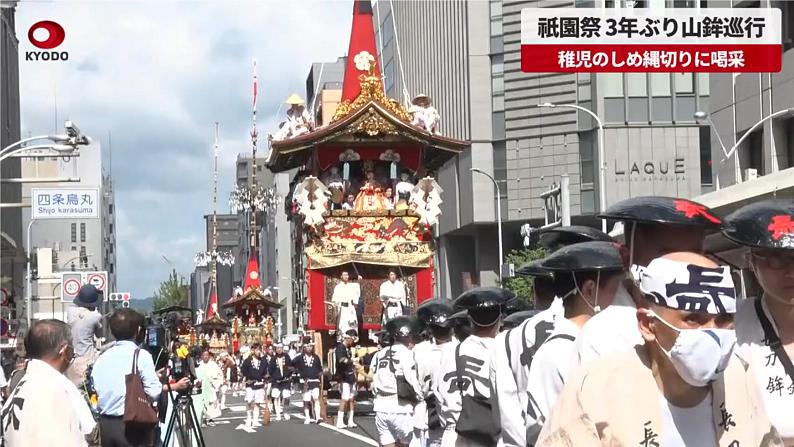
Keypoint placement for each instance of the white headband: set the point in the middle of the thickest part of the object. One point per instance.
(688, 287)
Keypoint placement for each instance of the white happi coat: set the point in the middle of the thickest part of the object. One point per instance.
(44, 410)
(393, 293)
(611, 331)
(474, 355)
(775, 386)
(509, 371)
(346, 298)
(550, 369)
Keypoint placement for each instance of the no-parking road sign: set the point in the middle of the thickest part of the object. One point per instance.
(72, 281)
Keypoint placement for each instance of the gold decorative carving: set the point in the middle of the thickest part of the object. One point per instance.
(371, 90)
(374, 124)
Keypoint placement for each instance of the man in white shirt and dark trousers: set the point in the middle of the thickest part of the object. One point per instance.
(434, 314)
(396, 386)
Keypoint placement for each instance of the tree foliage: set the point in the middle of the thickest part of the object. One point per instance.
(172, 292)
(522, 286)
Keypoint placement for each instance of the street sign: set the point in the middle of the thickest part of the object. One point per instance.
(70, 285)
(97, 279)
(64, 203)
(72, 281)
(4, 296)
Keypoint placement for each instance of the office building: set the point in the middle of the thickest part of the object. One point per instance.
(472, 71)
(66, 244)
(12, 253)
(761, 165)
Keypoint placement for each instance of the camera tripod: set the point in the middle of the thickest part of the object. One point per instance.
(185, 420)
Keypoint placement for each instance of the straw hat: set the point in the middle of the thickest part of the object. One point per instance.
(294, 99)
(421, 100)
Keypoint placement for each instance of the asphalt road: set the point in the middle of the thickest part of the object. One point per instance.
(230, 430)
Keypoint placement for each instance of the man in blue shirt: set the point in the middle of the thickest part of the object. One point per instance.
(110, 369)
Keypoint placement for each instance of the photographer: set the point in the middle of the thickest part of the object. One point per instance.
(109, 372)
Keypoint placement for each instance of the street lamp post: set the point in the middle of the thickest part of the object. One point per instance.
(498, 215)
(602, 193)
(701, 116)
(63, 145)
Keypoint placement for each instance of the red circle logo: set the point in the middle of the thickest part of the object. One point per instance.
(55, 37)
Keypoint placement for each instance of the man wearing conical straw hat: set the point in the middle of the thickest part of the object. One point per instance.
(299, 121)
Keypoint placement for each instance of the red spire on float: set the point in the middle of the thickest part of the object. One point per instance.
(362, 46)
(252, 275)
(212, 305)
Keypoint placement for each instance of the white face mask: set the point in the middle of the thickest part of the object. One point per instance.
(699, 355)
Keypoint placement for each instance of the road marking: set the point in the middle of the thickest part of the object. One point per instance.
(245, 428)
(347, 433)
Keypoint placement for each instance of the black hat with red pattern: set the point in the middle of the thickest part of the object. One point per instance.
(663, 210)
(767, 224)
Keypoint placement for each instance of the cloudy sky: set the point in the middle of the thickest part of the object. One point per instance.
(157, 75)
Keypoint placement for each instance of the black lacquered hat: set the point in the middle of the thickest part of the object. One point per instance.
(532, 268)
(435, 312)
(663, 210)
(559, 237)
(483, 298)
(584, 256)
(402, 326)
(517, 318)
(515, 305)
(765, 224)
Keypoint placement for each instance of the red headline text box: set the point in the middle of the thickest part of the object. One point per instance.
(651, 58)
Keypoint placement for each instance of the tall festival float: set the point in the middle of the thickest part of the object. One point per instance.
(365, 197)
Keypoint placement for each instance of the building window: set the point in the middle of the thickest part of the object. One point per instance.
(74, 233)
(497, 64)
(83, 257)
(787, 13)
(637, 89)
(496, 28)
(498, 85)
(82, 232)
(788, 134)
(110, 208)
(588, 201)
(705, 156)
(388, 75)
(496, 8)
(110, 269)
(110, 230)
(703, 84)
(683, 83)
(614, 98)
(586, 158)
(387, 29)
(498, 123)
(660, 84)
(751, 153)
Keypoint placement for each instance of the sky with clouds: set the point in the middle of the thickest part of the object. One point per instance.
(157, 75)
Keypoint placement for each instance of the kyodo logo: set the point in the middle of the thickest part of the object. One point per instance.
(46, 35)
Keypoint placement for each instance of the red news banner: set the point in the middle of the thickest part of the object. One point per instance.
(651, 40)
